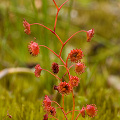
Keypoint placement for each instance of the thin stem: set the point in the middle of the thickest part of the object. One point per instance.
(67, 71)
(58, 37)
(61, 50)
(56, 19)
(73, 35)
(66, 61)
(52, 74)
(53, 117)
(78, 115)
(61, 109)
(62, 60)
(73, 105)
(65, 67)
(57, 56)
(71, 111)
(49, 49)
(63, 4)
(58, 9)
(68, 40)
(5, 117)
(42, 25)
(63, 102)
(49, 30)
(55, 4)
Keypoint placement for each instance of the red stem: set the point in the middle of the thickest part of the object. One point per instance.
(71, 111)
(49, 30)
(73, 105)
(61, 109)
(66, 61)
(54, 118)
(58, 9)
(5, 117)
(63, 4)
(52, 74)
(49, 49)
(56, 19)
(41, 25)
(58, 57)
(63, 102)
(55, 4)
(68, 40)
(78, 115)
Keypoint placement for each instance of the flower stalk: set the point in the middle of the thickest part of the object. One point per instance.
(64, 87)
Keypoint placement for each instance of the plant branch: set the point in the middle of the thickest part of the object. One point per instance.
(49, 30)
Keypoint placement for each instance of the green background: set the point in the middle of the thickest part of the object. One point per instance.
(21, 94)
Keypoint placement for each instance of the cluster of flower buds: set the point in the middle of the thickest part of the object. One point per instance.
(90, 110)
(63, 87)
(48, 108)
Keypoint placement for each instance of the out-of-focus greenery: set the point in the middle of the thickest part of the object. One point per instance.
(22, 94)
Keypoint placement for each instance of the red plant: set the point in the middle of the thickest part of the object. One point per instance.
(74, 80)
(27, 27)
(33, 48)
(79, 68)
(64, 87)
(91, 110)
(82, 111)
(38, 70)
(75, 55)
(90, 34)
(55, 68)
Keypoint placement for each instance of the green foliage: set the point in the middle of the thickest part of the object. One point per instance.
(22, 94)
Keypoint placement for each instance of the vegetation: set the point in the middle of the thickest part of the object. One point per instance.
(22, 94)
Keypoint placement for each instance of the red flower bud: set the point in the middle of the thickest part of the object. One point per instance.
(75, 55)
(55, 68)
(33, 48)
(79, 68)
(91, 110)
(27, 27)
(90, 34)
(38, 70)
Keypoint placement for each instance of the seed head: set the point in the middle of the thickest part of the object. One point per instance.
(64, 88)
(82, 111)
(51, 110)
(91, 110)
(33, 48)
(55, 68)
(75, 55)
(79, 68)
(45, 117)
(90, 34)
(26, 26)
(46, 103)
(74, 80)
(38, 70)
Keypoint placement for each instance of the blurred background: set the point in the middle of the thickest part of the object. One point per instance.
(21, 93)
